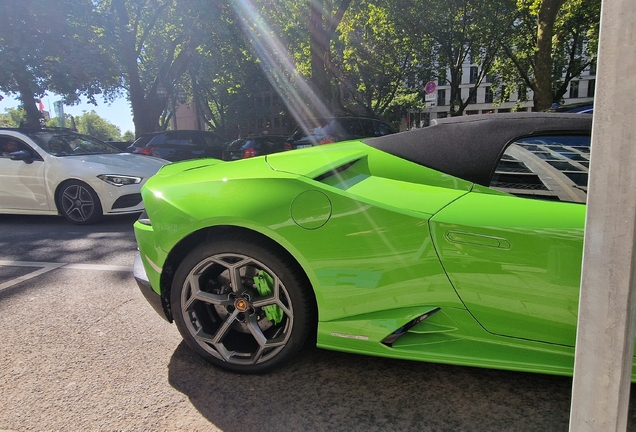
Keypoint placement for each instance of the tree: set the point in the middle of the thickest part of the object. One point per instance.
(324, 18)
(225, 75)
(156, 40)
(534, 61)
(52, 46)
(376, 54)
(128, 136)
(92, 124)
(13, 117)
(461, 31)
(576, 43)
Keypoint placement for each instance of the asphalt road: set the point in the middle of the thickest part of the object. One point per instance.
(81, 350)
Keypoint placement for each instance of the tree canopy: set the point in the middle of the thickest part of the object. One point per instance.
(319, 56)
(53, 46)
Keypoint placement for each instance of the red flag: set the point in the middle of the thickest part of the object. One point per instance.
(41, 104)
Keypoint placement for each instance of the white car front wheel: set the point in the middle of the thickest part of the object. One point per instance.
(79, 203)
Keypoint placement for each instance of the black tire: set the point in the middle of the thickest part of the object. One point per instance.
(79, 203)
(221, 315)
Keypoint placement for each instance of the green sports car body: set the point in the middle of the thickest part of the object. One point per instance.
(458, 243)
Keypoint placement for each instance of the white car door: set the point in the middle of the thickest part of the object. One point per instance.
(22, 183)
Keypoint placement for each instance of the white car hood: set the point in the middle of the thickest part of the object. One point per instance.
(122, 163)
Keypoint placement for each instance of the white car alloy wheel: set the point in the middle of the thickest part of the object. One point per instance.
(78, 203)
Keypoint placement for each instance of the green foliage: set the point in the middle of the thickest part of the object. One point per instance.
(12, 117)
(574, 46)
(219, 56)
(128, 136)
(95, 126)
(377, 54)
(52, 46)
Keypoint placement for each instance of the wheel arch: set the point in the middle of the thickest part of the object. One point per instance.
(196, 238)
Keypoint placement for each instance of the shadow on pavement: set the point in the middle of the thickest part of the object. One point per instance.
(324, 390)
(53, 239)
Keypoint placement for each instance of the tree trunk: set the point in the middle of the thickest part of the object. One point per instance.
(145, 112)
(33, 114)
(322, 28)
(319, 47)
(548, 11)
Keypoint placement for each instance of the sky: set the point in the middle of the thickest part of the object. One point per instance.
(117, 113)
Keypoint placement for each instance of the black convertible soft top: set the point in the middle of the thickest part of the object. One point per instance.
(469, 147)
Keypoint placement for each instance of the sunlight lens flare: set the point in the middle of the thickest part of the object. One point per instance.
(294, 90)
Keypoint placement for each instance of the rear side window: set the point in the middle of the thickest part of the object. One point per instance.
(351, 127)
(367, 128)
(213, 140)
(174, 139)
(550, 167)
(383, 129)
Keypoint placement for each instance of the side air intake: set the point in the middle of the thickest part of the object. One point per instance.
(390, 339)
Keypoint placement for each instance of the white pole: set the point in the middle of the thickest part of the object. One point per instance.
(605, 337)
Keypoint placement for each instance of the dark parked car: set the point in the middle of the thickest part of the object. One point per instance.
(244, 148)
(120, 145)
(329, 130)
(180, 145)
(578, 108)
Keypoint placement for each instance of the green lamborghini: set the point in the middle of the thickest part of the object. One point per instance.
(457, 243)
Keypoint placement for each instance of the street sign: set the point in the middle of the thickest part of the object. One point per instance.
(430, 87)
(430, 97)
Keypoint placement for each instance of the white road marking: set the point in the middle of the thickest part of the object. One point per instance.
(45, 267)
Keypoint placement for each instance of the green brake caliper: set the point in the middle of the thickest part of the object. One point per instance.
(264, 285)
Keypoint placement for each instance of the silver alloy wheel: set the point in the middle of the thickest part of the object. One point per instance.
(77, 203)
(226, 315)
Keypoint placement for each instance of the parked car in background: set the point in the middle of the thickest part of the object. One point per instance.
(328, 130)
(177, 145)
(121, 145)
(243, 148)
(456, 243)
(579, 108)
(57, 171)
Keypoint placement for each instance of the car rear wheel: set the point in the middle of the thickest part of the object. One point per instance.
(241, 305)
(79, 203)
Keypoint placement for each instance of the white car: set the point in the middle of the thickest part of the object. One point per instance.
(56, 171)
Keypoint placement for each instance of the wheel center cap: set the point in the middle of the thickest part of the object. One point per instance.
(241, 305)
(78, 202)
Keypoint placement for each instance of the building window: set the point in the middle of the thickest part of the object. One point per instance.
(472, 97)
(522, 93)
(473, 74)
(574, 89)
(442, 114)
(441, 97)
(441, 78)
(489, 95)
(593, 67)
(591, 86)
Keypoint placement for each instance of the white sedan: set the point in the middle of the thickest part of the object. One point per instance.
(57, 171)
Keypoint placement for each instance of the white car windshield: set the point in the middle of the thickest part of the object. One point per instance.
(70, 144)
